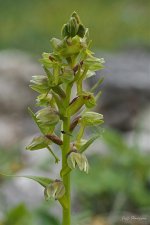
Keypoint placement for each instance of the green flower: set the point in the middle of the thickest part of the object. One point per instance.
(39, 83)
(91, 119)
(38, 143)
(77, 159)
(48, 116)
(54, 190)
(44, 100)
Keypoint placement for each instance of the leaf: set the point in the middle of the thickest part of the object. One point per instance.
(44, 181)
(59, 91)
(18, 215)
(88, 143)
(35, 119)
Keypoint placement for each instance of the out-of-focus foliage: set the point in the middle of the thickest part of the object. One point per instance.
(120, 178)
(21, 215)
(113, 24)
(11, 161)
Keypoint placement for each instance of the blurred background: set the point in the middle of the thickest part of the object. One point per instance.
(117, 189)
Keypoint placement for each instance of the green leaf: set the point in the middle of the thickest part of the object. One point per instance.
(34, 118)
(44, 128)
(19, 215)
(44, 181)
(88, 143)
(58, 90)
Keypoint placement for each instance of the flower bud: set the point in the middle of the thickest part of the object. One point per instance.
(89, 99)
(43, 100)
(38, 143)
(93, 63)
(77, 159)
(65, 31)
(79, 144)
(73, 47)
(47, 60)
(81, 31)
(75, 15)
(73, 27)
(48, 116)
(54, 190)
(39, 83)
(91, 119)
(56, 43)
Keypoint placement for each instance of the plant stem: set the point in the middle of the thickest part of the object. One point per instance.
(65, 150)
(66, 178)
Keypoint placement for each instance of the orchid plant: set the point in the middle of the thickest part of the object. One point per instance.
(63, 100)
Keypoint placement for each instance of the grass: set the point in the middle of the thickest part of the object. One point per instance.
(29, 24)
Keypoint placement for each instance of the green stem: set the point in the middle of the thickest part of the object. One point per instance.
(80, 81)
(66, 178)
(80, 133)
(65, 150)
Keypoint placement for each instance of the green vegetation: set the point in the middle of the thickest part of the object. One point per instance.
(122, 178)
(21, 215)
(11, 161)
(122, 185)
(113, 23)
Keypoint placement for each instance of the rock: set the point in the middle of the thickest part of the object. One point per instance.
(16, 69)
(142, 133)
(125, 89)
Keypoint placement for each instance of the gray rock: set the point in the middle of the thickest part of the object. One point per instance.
(125, 89)
(16, 69)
